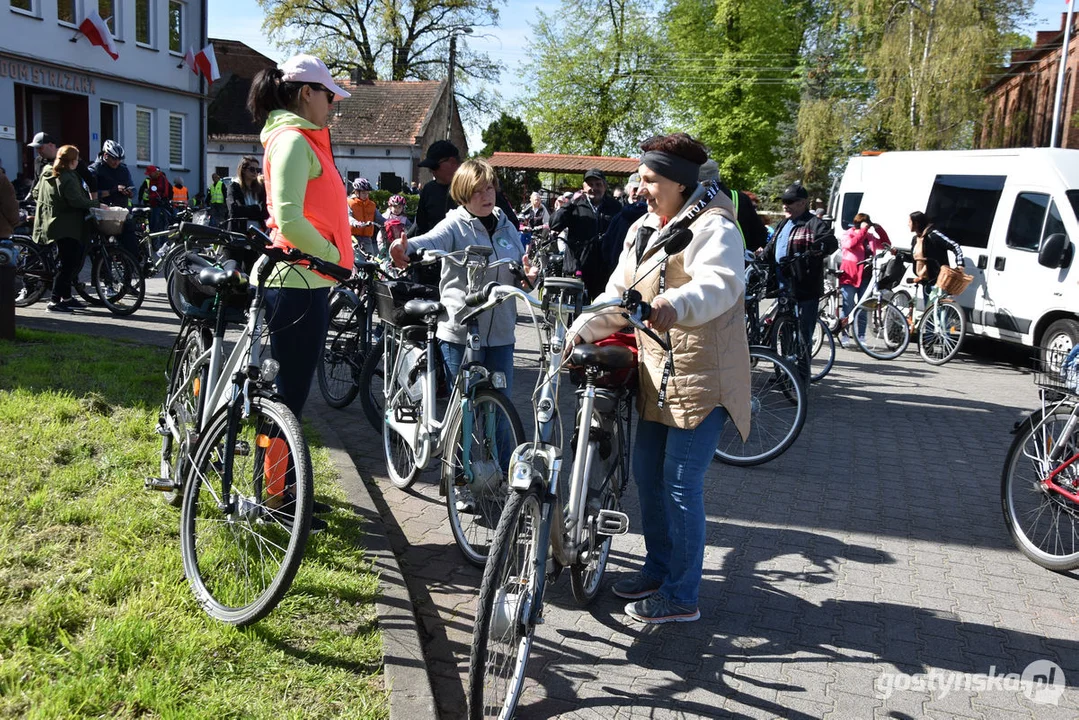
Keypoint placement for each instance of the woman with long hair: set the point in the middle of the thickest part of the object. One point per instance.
(246, 204)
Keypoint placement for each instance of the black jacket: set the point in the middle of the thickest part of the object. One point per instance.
(82, 169)
(435, 202)
(110, 181)
(240, 212)
(754, 233)
(811, 285)
(615, 237)
(585, 228)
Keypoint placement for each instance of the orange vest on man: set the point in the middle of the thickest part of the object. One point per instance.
(364, 211)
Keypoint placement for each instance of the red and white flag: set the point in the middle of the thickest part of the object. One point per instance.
(206, 61)
(97, 32)
(189, 60)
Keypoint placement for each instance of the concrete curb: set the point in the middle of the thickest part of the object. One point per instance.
(404, 667)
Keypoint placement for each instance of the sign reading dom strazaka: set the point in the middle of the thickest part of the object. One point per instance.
(42, 77)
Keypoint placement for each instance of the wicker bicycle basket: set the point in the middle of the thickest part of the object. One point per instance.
(953, 280)
(1058, 371)
(110, 221)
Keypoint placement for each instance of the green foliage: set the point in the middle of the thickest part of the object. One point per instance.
(510, 134)
(593, 80)
(96, 619)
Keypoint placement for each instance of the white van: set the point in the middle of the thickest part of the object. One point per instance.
(1014, 212)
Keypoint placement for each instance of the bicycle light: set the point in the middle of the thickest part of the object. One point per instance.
(498, 380)
(521, 479)
(269, 369)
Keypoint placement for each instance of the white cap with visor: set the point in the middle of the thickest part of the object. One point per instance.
(309, 69)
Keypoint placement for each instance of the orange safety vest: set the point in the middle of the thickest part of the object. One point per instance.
(323, 202)
(364, 211)
(179, 194)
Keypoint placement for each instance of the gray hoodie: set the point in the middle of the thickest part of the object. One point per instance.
(457, 231)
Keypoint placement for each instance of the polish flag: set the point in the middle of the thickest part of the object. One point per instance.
(206, 61)
(97, 32)
(189, 60)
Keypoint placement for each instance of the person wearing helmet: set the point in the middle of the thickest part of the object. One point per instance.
(396, 225)
(364, 216)
(115, 188)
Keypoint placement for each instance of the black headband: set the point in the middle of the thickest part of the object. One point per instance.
(673, 167)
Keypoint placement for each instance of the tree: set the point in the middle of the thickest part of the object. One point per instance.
(510, 134)
(390, 39)
(591, 71)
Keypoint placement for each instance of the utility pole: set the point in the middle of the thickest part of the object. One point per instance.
(450, 76)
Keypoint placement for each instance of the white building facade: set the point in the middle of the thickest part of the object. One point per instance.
(53, 80)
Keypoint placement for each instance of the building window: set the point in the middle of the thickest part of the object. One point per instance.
(107, 10)
(110, 122)
(143, 22)
(176, 141)
(26, 6)
(176, 26)
(144, 121)
(67, 12)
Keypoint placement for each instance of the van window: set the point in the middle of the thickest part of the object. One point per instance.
(963, 206)
(1053, 222)
(1028, 219)
(851, 203)
(1073, 198)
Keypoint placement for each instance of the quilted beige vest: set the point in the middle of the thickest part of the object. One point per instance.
(711, 361)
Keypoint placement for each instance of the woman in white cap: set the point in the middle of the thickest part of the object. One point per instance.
(307, 209)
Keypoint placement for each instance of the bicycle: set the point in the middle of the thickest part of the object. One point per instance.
(940, 329)
(232, 449)
(1039, 488)
(480, 426)
(542, 530)
(880, 328)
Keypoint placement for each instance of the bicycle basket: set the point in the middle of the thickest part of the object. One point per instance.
(1058, 371)
(391, 296)
(891, 273)
(110, 221)
(195, 300)
(952, 280)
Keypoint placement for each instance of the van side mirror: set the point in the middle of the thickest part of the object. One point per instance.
(1056, 251)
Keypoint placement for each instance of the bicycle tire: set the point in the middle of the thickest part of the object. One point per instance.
(184, 402)
(372, 381)
(886, 331)
(821, 365)
(1048, 532)
(586, 578)
(778, 406)
(941, 332)
(473, 532)
(117, 277)
(168, 271)
(33, 272)
(339, 367)
(401, 459)
(255, 536)
(344, 310)
(502, 636)
(901, 299)
(830, 308)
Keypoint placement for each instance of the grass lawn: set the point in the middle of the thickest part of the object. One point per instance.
(96, 618)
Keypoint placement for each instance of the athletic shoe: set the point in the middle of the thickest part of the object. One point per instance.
(635, 587)
(57, 306)
(74, 304)
(465, 502)
(656, 609)
(844, 341)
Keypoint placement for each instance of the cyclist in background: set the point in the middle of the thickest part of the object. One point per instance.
(396, 224)
(929, 251)
(115, 188)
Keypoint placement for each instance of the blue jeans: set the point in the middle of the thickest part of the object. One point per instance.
(669, 465)
(850, 297)
(297, 320)
(496, 359)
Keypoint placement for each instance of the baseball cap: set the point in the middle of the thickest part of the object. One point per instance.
(309, 69)
(794, 192)
(151, 170)
(595, 173)
(438, 152)
(42, 138)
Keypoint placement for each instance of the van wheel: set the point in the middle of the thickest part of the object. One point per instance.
(1059, 338)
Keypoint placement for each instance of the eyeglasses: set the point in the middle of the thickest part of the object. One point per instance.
(253, 169)
(329, 93)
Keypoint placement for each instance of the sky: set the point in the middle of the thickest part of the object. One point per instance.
(242, 20)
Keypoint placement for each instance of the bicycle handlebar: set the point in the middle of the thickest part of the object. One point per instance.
(257, 240)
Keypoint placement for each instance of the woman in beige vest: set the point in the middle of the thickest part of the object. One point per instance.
(686, 396)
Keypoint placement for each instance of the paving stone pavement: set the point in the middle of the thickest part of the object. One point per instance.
(872, 555)
(865, 573)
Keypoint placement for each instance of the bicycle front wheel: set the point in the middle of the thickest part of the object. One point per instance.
(373, 383)
(822, 356)
(339, 367)
(241, 551)
(1043, 523)
(33, 272)
(183, 407)
(941, 332)
(778, 406)
(118, 280)
(477, 487)
(400, 432)
(502, 636)
(880, 329)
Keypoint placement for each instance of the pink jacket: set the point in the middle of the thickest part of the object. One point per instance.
(857, 245)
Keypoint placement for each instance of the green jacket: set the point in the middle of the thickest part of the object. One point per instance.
(62, 203)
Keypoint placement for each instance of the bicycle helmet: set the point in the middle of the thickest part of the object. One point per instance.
(361, 185)
(111, 147)
(397, 200)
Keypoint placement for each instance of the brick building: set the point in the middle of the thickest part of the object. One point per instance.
(1019, 104)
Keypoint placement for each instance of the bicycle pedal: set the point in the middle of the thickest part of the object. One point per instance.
(612, 522)
(160, 484)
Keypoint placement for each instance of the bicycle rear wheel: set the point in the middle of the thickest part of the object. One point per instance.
(400, 429)
(886, 334)
(118, 280)
(183, 406)
(339, 367)
(373, 383)
(941, 331)
(502, 635)
(822, 353)
(33, 272)
(778, 406)
(242, 561)
(1043, 523)
(475, 507)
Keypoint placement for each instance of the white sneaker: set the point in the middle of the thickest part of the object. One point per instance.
(844, 341)
(465, 502)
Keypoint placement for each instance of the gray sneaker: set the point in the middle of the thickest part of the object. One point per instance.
(635, 587)
(656, 609)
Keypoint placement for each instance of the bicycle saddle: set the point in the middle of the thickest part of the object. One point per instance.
(423, 308)
(606, 357)
(140, 211)
(221, 278)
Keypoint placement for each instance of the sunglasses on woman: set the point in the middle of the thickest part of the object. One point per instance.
(329, 93)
